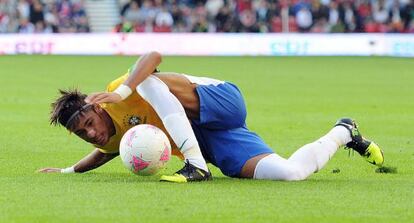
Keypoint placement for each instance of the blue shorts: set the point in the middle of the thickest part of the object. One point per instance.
(221, 130)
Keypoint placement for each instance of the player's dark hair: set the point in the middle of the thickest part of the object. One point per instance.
(66, 105)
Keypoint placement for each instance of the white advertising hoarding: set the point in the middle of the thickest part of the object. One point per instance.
(189, 44)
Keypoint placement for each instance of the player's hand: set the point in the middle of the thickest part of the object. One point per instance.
(103, 97)
(50, 170)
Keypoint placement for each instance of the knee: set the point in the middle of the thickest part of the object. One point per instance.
(274, 167)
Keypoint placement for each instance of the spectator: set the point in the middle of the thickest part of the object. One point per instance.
(395, 20)
(408, 15)
(64, 10)
(371, 26)
(67, 26)
(274, 9)
(348, 16)
(321, 26)
(23, 9)
(380, 13)
(262, 11)
(365, 9)
(243, 5)
(247, 21)
(7, 16)
(51, 17)
(132, 14)
(36, 12)
(224, 20)
(304, 19)
(25, 26)
(40, 27)
(177, 14)
(333, 14)
(124, 27)
(82, 25)
(4, 22)
(276, 24)
(164, 21)
(200, 25)
(319, 11)
(148, 11)
(213, 7)
(197, 19)
(127, 5)
(411, 27)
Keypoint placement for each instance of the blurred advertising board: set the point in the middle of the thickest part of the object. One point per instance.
(198, 44)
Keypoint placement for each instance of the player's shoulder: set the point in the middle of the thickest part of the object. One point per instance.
(115, 83)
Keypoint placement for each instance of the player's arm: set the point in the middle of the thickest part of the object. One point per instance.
(92, 161)
(143, 68)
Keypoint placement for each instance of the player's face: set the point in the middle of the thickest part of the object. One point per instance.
(92, 128)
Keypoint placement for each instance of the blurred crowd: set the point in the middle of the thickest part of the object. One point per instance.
(43, 16)
(316, 16)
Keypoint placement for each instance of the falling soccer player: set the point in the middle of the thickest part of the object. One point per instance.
(204, 118)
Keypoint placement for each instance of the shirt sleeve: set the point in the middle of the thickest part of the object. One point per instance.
(115, 83)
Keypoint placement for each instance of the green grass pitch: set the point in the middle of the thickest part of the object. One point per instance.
(291, 101)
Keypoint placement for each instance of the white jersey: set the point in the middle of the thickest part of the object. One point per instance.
(203, 80)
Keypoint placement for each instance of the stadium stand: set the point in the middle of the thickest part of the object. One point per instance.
(46, 16)
(316, 16)
(260, 16)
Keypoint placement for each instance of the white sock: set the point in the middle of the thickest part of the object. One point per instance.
(306, 160)
(275, 167)
(340, 135)
(181, 132)
(173, 116)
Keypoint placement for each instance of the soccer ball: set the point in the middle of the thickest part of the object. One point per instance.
(145, 149)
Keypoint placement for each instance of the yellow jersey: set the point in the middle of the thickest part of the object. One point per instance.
(132, 111)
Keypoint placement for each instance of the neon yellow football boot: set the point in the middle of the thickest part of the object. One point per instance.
(188, 173)
(366, 148)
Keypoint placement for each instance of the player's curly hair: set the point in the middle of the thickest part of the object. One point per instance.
(68, 103)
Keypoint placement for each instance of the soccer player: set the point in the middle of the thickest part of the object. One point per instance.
(204, 117)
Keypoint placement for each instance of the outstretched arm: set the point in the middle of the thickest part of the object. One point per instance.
(92, 161)
(143, 68)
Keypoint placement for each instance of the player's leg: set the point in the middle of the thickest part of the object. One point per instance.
(314, 156)
(184, 91)
(241, 153)
(306, 160)
(220, 108)
(174, 118)
(230, 149)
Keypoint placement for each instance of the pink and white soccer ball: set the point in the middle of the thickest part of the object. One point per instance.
(145, 149)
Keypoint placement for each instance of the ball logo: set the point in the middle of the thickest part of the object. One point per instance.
(165, 156)
(138, 164)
